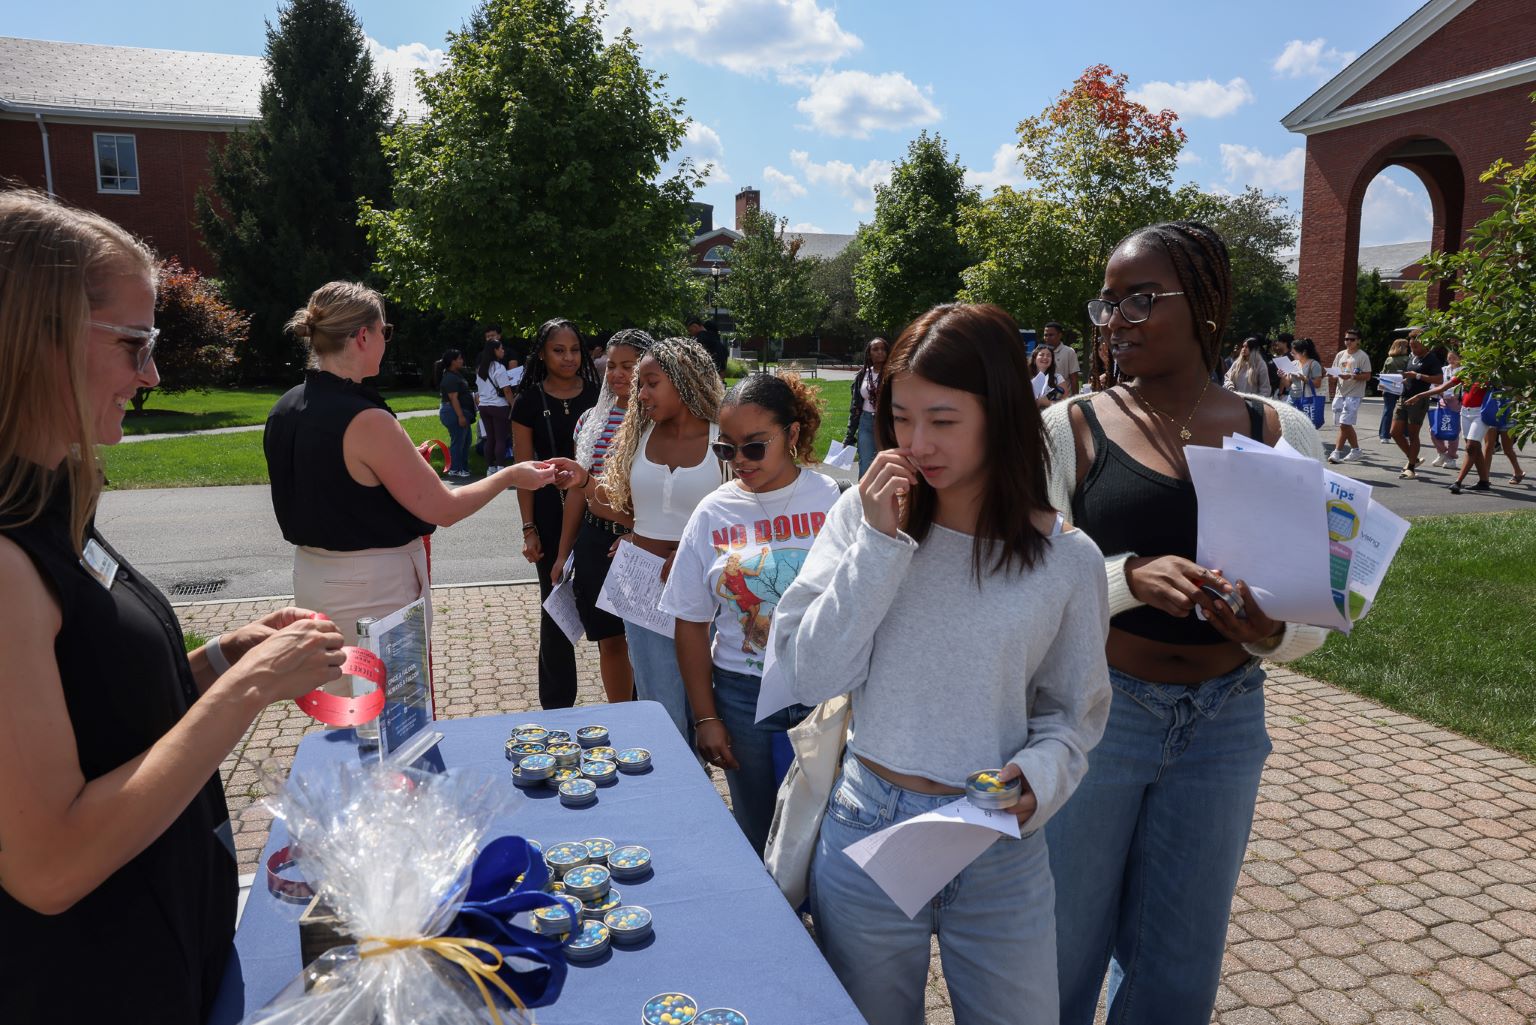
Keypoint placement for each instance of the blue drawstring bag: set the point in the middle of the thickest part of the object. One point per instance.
(1314, 405)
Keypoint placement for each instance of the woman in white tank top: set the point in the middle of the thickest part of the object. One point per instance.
(658, 469)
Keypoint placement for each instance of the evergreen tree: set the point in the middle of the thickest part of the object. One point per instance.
(282, 214)
(1380, 313)
(770, 292)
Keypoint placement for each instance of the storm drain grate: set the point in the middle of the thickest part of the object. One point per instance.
(191, 587)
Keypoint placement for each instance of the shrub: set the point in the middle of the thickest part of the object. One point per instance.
(200, 333)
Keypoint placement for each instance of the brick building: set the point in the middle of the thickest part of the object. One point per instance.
(126, 131)
(1444, 94)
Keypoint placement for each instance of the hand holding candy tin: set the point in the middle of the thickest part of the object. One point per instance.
(1003, 789)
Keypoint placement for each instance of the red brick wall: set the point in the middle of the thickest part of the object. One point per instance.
(173, 166)
(1489, 34)
(1341, 164)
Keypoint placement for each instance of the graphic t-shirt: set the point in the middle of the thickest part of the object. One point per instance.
(738, 555)
(1351, 363)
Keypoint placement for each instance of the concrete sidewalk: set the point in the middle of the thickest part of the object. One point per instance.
(1388, 878)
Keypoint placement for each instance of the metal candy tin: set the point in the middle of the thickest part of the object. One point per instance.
(561, 775)
(565, 754)
(537, 766)
(587, 882)
(521, 779)
(592, 736)
(631, 862)
(517, 749)
(563, 857)
(601, 753)
(554, 886)
(598, 849)
(633, 759)
(555, 920)
(589, 944)
(597, 907)
(628, 924)
(558, 737)
(669, 1009)
(578, 793)
(720, 1016)
(600, 772)
(530, 735)
(986, 790)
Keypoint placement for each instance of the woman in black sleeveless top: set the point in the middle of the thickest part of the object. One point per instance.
(117, 871)
(1147, 853)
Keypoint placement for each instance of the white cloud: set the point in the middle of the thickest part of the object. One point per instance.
(1314, 59)
(702, 144)
(1247, 166)
(748, 36)
(855, 103)
(402, 60)
(1392, 212)
(857, 184)
(782, 185)
(1006, 170)
(1205, 98)
(805, 228)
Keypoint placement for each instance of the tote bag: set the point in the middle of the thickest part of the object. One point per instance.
(1444, 423)
(818, 741)
(1496, 411)
(1313, 405)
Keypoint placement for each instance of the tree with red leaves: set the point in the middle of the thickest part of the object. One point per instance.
(200, 333)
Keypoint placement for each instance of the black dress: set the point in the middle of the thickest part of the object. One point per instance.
(151, 942)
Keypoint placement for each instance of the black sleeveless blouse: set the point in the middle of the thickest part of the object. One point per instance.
(152, 941)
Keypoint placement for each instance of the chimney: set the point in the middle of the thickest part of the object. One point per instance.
(747, 199)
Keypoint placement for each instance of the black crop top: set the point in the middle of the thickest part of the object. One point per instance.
(1126, 507)
(157, 932)
(317, 502)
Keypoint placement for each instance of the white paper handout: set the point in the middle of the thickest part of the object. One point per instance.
(1391, 384)
(773, 691)
(633, 589)
(561, 603)
(1380, 536)
(1286, 365)
(840, 455)
(913, 860)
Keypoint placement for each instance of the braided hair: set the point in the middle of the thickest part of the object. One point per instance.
(691, 370)
(1200, 260)
(596, 419)
(537, 370)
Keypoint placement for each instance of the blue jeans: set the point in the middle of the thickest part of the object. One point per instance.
(1147, 852)
(657, 677)
(1388, 403)
(867, 446)
(458, 438)
(995, 920)
(755, 785)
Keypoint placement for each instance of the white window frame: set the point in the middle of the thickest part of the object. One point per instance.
(96, 138)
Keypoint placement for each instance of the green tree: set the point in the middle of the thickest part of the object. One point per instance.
(534, 187)
(1257, 229)
(838, 324)
(911, 252)
(770, 291)
(281, 213)
(1380, 310)
(1493, 314)
(201, 335)
(1100, 165)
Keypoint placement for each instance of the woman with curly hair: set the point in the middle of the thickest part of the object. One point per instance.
(659, 468)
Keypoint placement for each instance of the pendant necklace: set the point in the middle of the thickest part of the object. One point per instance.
(1184, 432)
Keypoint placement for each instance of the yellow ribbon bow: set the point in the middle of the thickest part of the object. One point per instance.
(461, 952)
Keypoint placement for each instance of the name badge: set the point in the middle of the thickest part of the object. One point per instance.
(99, 564)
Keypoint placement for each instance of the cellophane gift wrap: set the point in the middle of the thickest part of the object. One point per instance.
(399, 856)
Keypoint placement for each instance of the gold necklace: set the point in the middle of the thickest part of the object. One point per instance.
(1184, 434)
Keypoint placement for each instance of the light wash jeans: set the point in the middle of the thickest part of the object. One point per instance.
(866, 440)
(995, 921)
(755, 786)
(1147, 852)
(657, 677)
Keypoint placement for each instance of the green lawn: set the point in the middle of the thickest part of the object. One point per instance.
(166, 413)
(210, 460)
(1450, 638)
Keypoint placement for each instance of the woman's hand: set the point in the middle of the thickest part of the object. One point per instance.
(1026, 805)
(533, 548)
(293, 661)
(713, 741)
(568, 473)
(1254, 628)
(558, 571)
(1169, 583)
(236, 643)
(531, 475)
(1420, 397)
(884, 490)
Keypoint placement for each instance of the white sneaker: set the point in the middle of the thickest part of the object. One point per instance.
(1451, 464)
(1387, 441)
(1334, 457)
(1353, 453)
(1437, 461)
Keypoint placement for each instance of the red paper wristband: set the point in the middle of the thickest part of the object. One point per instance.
(349, 710)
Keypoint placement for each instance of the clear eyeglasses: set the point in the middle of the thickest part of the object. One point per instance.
(146, 336)
(1134, 309)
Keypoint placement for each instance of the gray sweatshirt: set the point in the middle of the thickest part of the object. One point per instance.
(948, 676)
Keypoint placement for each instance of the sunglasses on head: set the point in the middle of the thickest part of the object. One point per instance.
(752, 451)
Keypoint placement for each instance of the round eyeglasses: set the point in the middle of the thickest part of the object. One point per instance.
(1134, 309)
(145, 336)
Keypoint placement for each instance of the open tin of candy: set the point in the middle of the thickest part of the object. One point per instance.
(986, 789)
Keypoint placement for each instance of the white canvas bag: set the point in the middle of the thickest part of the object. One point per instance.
(818, 741)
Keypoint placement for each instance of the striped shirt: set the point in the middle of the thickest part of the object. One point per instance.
(600, 446)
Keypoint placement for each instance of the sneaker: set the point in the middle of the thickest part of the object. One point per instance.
(1353, 453)
(1334, 457)
(1456, 488)
(1437, 461)
(1482, 485)
(1386, 441)
(1451, 464)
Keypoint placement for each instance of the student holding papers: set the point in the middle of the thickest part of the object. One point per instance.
(1390, 381)
(1146, 855)
(967, 621)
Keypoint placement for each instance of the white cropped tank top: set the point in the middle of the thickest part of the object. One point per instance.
(663, 499)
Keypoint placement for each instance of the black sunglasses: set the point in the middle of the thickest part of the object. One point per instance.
(751, 451)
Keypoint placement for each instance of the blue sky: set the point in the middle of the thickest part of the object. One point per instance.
(811, 101)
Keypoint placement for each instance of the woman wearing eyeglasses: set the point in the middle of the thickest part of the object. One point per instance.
(348, 487)
(742, 547)
(1147, 853)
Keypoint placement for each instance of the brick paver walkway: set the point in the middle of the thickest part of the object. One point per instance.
(1388, 878)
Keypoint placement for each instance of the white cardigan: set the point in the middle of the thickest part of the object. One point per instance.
(1298, 639)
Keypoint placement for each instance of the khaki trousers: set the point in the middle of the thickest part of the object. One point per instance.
(350, 585)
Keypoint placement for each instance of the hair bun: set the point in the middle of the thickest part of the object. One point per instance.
(301, 329)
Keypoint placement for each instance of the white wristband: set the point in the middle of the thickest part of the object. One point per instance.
(216, 657)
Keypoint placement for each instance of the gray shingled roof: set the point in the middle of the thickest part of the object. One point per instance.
(824, 246)
(1389, 260)
(129, 81)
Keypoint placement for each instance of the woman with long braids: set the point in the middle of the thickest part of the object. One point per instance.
(558, 386)
(659, 468)
(590, 526)
(861, 411)
(1146, 854)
